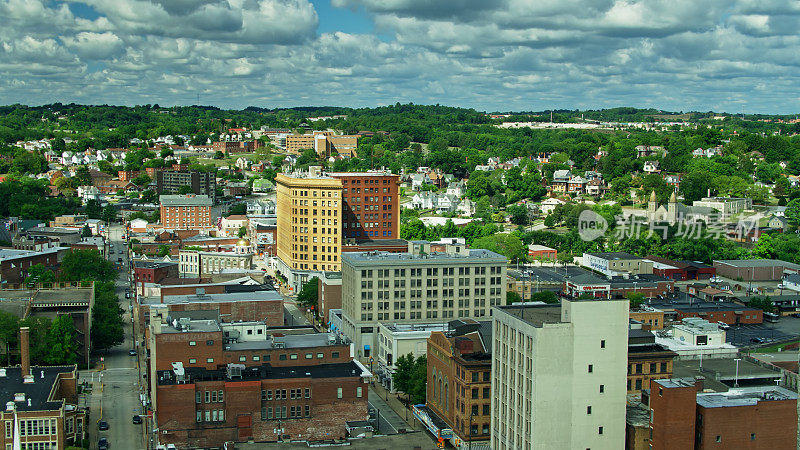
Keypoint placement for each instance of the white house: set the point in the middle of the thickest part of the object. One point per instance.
(651, 167)
(138, 225)
(548, 205)
(87, 193)
(457, 188)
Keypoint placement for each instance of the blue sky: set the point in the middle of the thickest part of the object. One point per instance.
(493, 55)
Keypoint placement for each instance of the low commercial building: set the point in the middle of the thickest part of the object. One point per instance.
(617, 263)
(196, 263)
(214, 383)
(42, 402)
(727, 206)
(182, 212)
(651, 286)
(719, 311)
(536, 251)
(329, 294)
(646, 360)
(417, 286)
(74, 300)
(460, 382)
(649, 317)
(683, 416)
(681, 270)
(14, 264)
(755, 269)
(396, 340)
(557, 375)
(235, 146)
(153, 271)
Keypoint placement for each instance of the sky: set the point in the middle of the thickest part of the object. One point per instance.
(492, 55)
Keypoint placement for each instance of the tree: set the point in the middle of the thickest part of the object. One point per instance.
(40, 274)
(163, 251)
(242, 231)
(107, 328)
(142, 180)
(109, 214)
(82, 177)
(507, 245)
(40, 327)
(93, 209)
(549, 297)
(411, 376)
(239, 209)
(62, 343)
(762, 303)
(419, 381)
(85, 231)
(518, 214)
(512, 297)
(80, 265)
(149, 196)
(9, 333)
(635, 298)
(793, 212)
(308, 294)
(183, 190)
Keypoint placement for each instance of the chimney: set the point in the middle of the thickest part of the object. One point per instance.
(24, 350)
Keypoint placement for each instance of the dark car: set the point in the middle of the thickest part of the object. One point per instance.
(757, 340)
(132, 352)
(102, 425)
(137, 419)
(102, 444)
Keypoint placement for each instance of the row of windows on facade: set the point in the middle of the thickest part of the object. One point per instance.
(368, 317)
(323, 240)
(431, 304)
(637, 368)
(432, 271)
(281, 357)
(368, 198)
(313, 248)
(429, 293)
(432, 282)
(52, 445)
(314, 221)
(369, 224)
(304, 257)
(297, 212)
(280, 412)
(304, 193)
(315, 230)
(305, 266)
(32, 427)
(366, 180)
(370, 233)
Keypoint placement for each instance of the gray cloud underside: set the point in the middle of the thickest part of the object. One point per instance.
(488, 54)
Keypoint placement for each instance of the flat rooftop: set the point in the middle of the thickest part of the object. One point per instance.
(536, 315)
(38, 391)
(258, 296)
(265, 372)
(369, 258)
(288, 341)
(138, 264)
(747, 396)
(614, 255)
(10, 253)
(724, 369)
(757, 263)
(186, 200)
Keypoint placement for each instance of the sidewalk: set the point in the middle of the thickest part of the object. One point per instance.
(397, 406)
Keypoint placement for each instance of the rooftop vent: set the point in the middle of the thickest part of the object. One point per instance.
(2, 372)
(19, 397)
(9, 406)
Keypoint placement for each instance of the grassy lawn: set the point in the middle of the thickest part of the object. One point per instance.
(776, 348)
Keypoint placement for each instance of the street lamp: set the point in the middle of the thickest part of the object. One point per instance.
(736, 376)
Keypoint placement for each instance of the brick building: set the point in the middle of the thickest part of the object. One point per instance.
(650, 318)
(44, 401)
(726, 312)
(646, 360)
(329, 294)
(651, 286)
(371, 208)
(215, 383)
(233, 302)
(14, 264)
(127, 175)
(681, 270)
(201, 183)
(154, 271)
(228, 147)
(754, 269)
(186, 211)
(682, 416)
(459, 380)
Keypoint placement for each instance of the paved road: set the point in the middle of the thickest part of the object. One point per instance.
(388, 420)
(120, 392)
(292, 315)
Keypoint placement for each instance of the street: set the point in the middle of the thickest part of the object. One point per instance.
(116, 401)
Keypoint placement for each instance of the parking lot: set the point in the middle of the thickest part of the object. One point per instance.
(745, 335)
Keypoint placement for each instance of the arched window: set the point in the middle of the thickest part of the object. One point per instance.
(440, 389)
(446, 395)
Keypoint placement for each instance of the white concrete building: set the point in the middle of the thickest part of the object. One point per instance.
(559, 375)
(398, 339)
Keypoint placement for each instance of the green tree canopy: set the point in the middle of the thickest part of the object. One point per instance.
(107, 328)
(309, 293)
(80, 265)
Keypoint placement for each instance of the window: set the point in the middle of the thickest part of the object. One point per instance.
(588, 410)
(309, 355)
(475, 393)
(308, 410)
(209, 360)
(269, 412)
(208, 396)
(719, 438)
(263, 395)
(486, 409)
(198, 397)
(293, 356)
(9, 429)
(269, 394)
(474, 410)
(199, 416)
(282, 357)
(220, 396)
(242, 358)
(602, 388)
(308, 393)
(603, 343)
(263, 413)
(591, 368)
(192, 343)
(339, 393)
(267, 358)
(208, 415)
(752, 436)
(192, 360)
(320, 355)
(599, 430)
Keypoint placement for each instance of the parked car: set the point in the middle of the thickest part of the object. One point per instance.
(102, 425)
(757, 340)
(137, 420)
(132, 352)
(102, 444)
(723, 325)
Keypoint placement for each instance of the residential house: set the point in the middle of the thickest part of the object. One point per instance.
(560, 180)
(673, 180)
(576, 184)
(778, 222)
(652, 167)
(457, 188)
(548, 205)
(649, 150)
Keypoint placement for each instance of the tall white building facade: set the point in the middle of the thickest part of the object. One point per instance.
(559, 375)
